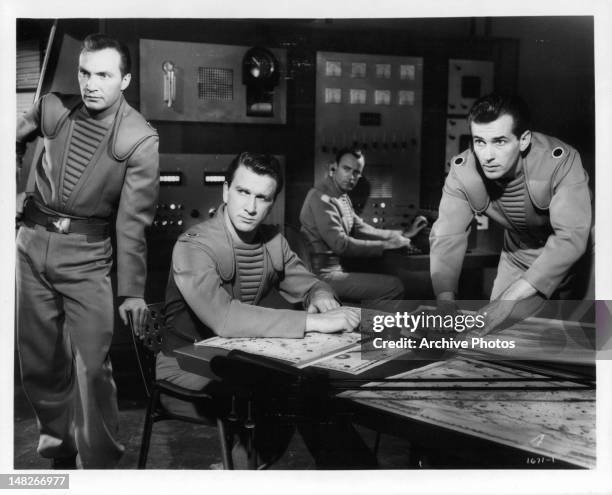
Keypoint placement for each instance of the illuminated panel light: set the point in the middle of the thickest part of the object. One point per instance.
(214, 178)
(170, 178)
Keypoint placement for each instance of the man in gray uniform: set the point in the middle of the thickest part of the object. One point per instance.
(334, 230)
(100, 161)
(534, 186)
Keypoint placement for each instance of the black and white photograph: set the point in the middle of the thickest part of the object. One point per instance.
(331, 248)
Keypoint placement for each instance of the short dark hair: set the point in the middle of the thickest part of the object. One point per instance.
(99, 41)
(490, 107)
(261, 164)
(353, 150)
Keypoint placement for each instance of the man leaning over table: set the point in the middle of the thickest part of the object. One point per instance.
(535, 187)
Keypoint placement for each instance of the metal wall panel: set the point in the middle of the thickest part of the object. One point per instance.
(375, 102)
(207, 80)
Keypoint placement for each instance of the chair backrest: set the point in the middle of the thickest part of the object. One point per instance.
(147, 347)
(298, 244)
(155, 329)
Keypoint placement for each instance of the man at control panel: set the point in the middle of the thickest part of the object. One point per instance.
(534, 186)
(334, 230)
(222, 269)
(99, 163)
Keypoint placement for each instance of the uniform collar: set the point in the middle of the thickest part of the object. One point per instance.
(329, 187)
(224, 250)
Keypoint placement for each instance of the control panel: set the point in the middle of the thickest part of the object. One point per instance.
(458, 138)
(204, 82)
(468, 80)
(373, 102)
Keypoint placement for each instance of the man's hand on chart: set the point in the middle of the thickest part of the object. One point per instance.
(507, 312)
(337, 320)
(495, 313)
(445, 306)
(322, 304)
(134, 311)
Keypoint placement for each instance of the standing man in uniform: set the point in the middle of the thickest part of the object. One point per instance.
(99, 164)
(334, 230)
(534, 186)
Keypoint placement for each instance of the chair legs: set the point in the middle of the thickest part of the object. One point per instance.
(249, 426)
(148, 428)
(154, 402)
(226, 457)
(376, 443)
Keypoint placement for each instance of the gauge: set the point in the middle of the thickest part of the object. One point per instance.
(259, 66)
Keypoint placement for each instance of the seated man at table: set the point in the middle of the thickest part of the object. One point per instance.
(534, 186)
(223, 267)
(334, 230)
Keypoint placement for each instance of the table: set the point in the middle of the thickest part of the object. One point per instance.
(550, 421)
(511, 414)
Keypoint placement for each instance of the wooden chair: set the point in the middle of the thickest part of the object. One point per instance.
(146, 349)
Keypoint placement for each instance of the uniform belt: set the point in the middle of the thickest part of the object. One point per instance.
(65, 225)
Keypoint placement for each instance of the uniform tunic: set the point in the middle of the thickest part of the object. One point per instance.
(334, 230)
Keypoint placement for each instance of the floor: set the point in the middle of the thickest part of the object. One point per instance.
(177, 445)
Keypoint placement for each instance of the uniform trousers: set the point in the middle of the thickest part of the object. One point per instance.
(64, 332)
(356, 287)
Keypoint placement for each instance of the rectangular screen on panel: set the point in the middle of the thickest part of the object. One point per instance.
(468, 80)
(457, 138)
(373, 102)
(203, 82)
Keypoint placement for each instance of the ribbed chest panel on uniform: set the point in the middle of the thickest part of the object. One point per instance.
(87, 135)
(250, 266)
(512, 203)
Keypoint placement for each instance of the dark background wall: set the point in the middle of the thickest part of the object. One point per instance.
(556, 76)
